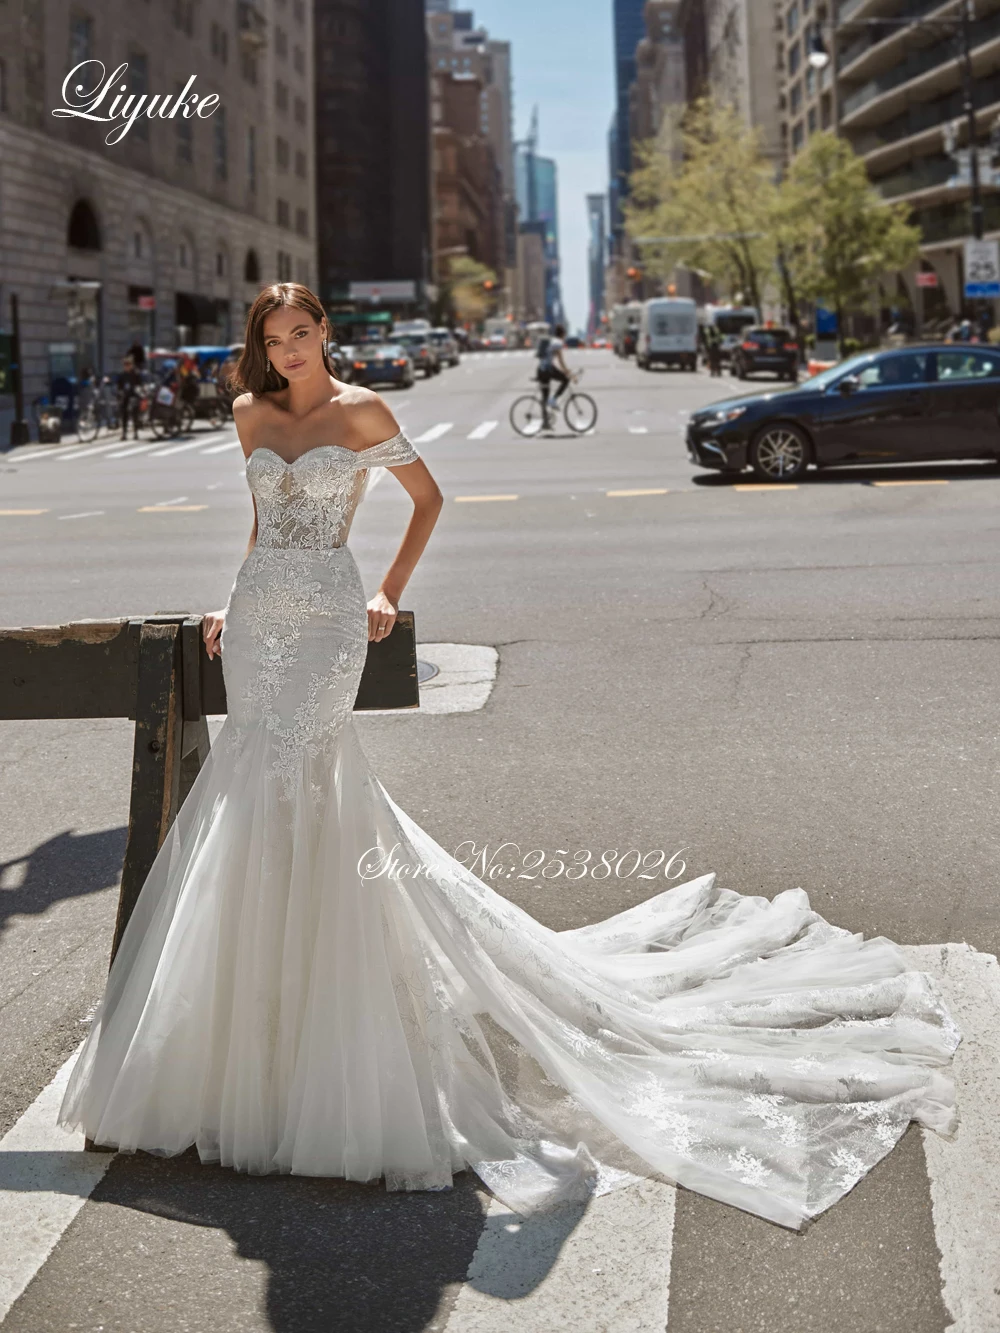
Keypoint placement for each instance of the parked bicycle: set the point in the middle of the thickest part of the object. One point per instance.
(169, 414)
(99, 410)
(531, 414)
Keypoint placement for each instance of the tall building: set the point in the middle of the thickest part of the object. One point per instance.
(596, 247)
(741, 63)
(629, 29)
(538, 202)
(658, 94)
(473, 191)
(166, 233)
(372, 158)
(807, 101)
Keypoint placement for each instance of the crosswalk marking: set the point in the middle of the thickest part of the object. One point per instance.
(219, 448)
(487, 497)
(181, 448)
(46, 454)
(482, 430)
(638, 430)
(136, 449)
(169, 509)
(645, 490)
(434, 433)
(87, 453)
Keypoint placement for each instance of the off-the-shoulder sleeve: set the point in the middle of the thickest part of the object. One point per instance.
(390, 453)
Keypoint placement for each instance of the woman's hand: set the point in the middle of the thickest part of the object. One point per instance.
(381, 616)
(211, 629)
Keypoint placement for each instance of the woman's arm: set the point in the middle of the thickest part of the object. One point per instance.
(378, 424)
(213, 621)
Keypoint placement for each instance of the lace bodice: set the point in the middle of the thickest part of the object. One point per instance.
(310, 503)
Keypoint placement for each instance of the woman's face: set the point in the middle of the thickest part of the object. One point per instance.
(294, 342)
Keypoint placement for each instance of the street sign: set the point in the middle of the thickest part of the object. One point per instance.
(928, 279)
(982, 268)
(383, 291)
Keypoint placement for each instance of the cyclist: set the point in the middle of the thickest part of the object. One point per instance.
(551, 366)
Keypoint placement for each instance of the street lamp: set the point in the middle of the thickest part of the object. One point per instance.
(819, 56)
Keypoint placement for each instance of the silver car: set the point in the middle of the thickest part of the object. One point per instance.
(446, 345)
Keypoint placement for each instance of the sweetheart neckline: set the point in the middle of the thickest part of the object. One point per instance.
(344, 448)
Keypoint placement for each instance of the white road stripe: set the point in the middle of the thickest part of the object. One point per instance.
(87, 513)
(219, 448)
(435, 432)
(47, 453)
(482, 430)
(965, 1173)
(87, 453)
(605, 1265)
(45, 1179)
(136, 449)
(638, 430)
(177, 500)
(182, 448)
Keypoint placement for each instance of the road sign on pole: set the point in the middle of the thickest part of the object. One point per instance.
(982, 268)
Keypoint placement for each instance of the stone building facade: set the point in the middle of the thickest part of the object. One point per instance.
(169, 233)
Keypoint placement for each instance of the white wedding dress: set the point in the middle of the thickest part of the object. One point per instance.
(283, 1009)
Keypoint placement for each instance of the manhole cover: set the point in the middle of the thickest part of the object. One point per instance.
(425, 671)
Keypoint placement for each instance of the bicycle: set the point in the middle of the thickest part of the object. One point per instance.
(530, 414)
(98, 411)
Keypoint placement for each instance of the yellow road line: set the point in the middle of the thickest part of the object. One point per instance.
(767, 486)
(169, 509)
(922, 481)
(487, 497)
(652, 490)
(9, 513)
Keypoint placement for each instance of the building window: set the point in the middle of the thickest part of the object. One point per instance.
(299, 10)
(792, 19)
(302, 222)
(283, 213)
(3, 86)
(300, 110)
(794, 58)
(281, 95)
(184, 16)
(182, 255)
(220, 144)
(138, 73)
(183, 129)
(797, 137)
(220, 43)
(300, 163)
(137, 245)
(281, 153)
(81, 39)
(248, 66)
(251, 268)
(280, 43)
(795, 98)
(220, 263)
(284, 266)
(300, 60)
(810, 81)
(251, 163)
(811, 120)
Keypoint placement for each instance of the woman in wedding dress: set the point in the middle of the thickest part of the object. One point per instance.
(310, 984)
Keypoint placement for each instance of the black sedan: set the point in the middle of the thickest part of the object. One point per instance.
(382, 363)
(770, 349)
(912, 405)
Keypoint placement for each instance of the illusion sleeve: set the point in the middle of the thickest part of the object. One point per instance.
(391, 453)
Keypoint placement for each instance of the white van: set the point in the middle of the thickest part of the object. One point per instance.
(668, 333)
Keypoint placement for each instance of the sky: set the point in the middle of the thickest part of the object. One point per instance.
(562, 58)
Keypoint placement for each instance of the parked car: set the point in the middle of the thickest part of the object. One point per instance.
(382, 363)
(338, 358)
(421, 352)
(770, 349)
(496, 342)
(446, 346)
(912, 405)
(574, 340)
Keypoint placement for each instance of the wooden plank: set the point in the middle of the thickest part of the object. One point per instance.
(84, 669)
(156, 761)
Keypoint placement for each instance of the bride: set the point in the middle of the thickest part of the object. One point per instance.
(310, 984)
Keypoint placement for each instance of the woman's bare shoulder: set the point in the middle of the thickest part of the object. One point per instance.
(371, 418)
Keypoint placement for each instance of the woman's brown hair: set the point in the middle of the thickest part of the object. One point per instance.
(254, 372)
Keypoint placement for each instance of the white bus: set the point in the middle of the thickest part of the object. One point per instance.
(668, 333)
(538, 328)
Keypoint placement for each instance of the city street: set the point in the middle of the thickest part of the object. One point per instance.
(792, 686)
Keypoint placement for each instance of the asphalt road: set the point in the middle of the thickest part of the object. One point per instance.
(795, 686)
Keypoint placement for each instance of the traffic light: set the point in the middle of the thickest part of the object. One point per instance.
(488, 284)
(632, 273)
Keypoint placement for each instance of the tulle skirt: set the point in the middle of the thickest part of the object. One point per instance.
(311, 984)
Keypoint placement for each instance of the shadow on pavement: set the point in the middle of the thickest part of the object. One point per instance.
(68, 865)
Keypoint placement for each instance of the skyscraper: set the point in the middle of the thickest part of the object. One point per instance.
(595, 260)
(537, 198)
(629, 29)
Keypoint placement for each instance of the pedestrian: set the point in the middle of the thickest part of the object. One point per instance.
(713, 343)
(138, 354)
(129, 389)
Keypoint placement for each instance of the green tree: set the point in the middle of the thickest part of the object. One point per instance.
(835, 232)
(471, 288)
(719, 196)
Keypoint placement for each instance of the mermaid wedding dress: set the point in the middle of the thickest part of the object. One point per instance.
(286, 1003)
